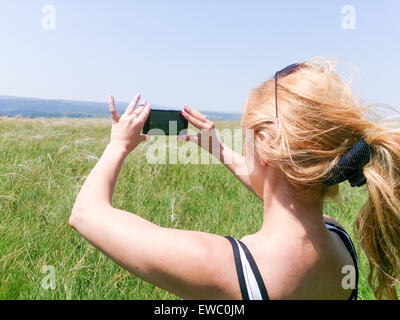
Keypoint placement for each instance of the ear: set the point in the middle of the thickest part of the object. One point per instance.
(265, 140)
(263, 137)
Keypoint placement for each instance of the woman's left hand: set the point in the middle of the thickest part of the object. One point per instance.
(126, 128)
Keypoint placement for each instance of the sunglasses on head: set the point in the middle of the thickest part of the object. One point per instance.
(282, 73)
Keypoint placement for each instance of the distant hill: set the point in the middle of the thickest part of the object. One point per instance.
(34, 108)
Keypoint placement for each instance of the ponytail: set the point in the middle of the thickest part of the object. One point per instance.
(378, 222)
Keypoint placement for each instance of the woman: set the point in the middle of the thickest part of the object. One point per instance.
(310, 134)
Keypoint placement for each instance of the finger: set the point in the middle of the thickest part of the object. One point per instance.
(111, 105)
(132, 106)
(142, 117)
(194, 113)
(143, 104)
(138, 111)
(199, 124)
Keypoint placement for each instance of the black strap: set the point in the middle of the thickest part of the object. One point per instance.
(350, 246)
(239, 268)
(256, 272)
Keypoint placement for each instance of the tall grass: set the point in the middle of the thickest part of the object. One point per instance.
(43, 164)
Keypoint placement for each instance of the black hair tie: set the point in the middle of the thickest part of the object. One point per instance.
(350, 166)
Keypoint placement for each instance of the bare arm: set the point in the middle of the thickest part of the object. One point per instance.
(193, 265)
(207, 139)
(235, 162)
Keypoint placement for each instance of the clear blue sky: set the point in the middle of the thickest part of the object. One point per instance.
(208, 54)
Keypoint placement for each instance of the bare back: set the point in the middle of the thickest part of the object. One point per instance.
(307, 268)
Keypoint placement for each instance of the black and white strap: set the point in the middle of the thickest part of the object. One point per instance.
(251, 283)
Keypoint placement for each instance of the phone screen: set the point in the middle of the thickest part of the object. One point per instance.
(167, 122)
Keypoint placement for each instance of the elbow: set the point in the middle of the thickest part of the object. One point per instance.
(76, 217)
(82, 214)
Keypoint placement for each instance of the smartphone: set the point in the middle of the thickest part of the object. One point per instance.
(165, 122)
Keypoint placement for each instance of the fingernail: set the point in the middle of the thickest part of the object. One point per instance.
(110, 96)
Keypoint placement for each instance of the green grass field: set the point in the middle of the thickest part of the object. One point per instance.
(44, 162)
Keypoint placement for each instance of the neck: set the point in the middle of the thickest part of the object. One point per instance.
(286, 212)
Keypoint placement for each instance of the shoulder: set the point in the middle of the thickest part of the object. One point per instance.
(275, 257)
(294, 268)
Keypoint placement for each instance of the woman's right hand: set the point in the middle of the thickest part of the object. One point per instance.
(206, 127)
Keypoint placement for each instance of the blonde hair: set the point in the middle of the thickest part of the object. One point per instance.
(319, 121)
